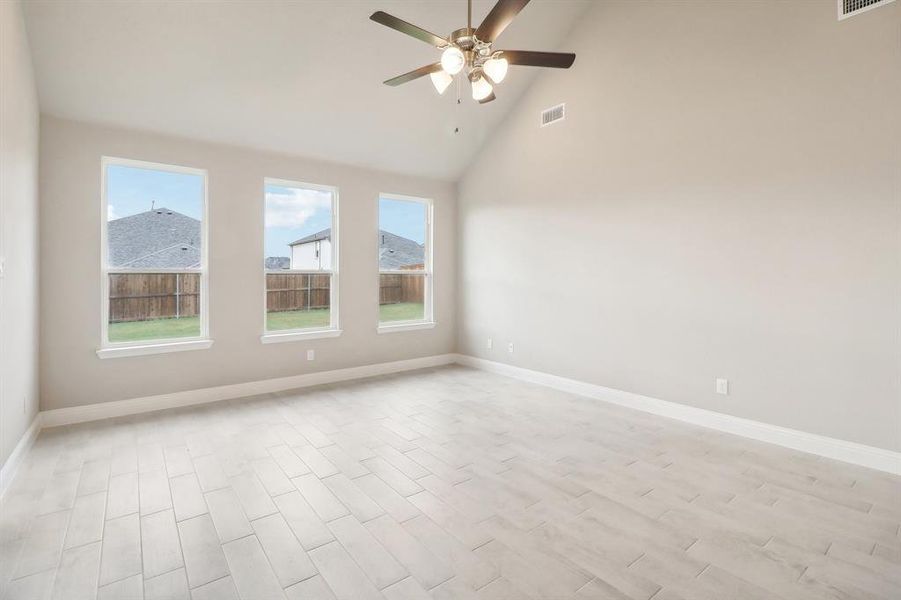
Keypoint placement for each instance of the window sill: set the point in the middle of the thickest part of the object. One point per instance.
(298, 336)
(406, 327)
(153, 348)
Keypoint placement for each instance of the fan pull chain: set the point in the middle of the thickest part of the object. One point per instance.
(459, 102)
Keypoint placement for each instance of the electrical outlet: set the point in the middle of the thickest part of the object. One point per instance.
(510, 347)
(490, 344)
(722, 386)
(311, 354)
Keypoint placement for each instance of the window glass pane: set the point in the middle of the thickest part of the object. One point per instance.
(402, 229)
(401, 297)
(153, 218)
(298, 228)
(153, 222)
(298, 237)
(297, 301)
(149, 306)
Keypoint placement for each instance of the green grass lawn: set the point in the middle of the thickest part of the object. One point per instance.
(156, 329)
(160, 329)
(303, 319)
(404, 311)
(297, 319)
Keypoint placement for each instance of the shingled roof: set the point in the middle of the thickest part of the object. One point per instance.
(158, 238)
(395, 252)
(313, 237)
(277, 263)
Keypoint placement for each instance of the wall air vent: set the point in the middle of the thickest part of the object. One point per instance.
(849, 8)
(553, 114)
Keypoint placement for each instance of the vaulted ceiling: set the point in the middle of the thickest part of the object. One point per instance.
(302, 77)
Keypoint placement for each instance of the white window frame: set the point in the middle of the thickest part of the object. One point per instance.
(428, 320)
(333, 329)
(110, 349)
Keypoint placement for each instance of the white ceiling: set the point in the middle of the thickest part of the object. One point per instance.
(302, 77)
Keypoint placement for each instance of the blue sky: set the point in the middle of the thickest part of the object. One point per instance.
(131, 190)
(406, 219)
(291, 213)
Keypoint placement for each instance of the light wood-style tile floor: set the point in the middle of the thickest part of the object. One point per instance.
(445, 484)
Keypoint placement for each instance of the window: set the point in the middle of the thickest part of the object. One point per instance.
(153, 258)
(301, 261)
(405, 263)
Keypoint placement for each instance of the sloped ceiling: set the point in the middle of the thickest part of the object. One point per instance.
(301, 77)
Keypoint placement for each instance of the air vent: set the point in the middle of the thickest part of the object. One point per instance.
(553, 114)
(849, 8)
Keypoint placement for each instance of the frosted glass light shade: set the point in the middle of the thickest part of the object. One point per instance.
(452, 60)
(441, 80)
(496, 69)
(481, 89)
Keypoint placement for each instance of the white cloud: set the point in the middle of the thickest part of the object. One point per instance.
(111, 213)
(294, 207)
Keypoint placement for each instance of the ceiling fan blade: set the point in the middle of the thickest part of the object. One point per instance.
(402, 26)
(414, 74)
(498, 19)
(557, 60)
(488, 98)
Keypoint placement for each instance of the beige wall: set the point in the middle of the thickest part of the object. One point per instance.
(18, 232)
(70, 244)
(722, 200)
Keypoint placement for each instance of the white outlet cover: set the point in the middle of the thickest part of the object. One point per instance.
(490, 344)
(510, 347)
(722, 386)
(311, 354)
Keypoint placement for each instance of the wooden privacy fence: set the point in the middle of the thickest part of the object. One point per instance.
(145, 296)
(297, 291)
(395, 288)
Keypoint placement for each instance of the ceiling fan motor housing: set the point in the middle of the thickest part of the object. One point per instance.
(464, 38)
(474, 50)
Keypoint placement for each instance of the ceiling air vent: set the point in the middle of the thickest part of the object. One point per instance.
(553, 114)
(849, 8)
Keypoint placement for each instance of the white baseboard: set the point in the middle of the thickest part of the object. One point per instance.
(17, 456)
(119, 408)
(850, 452)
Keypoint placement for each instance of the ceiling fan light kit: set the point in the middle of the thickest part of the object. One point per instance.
(441, 80)
(452, 60)
(496, 68)
(471, 50)
(481, 89)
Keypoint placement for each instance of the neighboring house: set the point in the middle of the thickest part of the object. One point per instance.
(395, 252)
(313, 252)
(159, 238)
(278, 263)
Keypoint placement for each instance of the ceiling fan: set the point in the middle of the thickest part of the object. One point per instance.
(472, 49)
